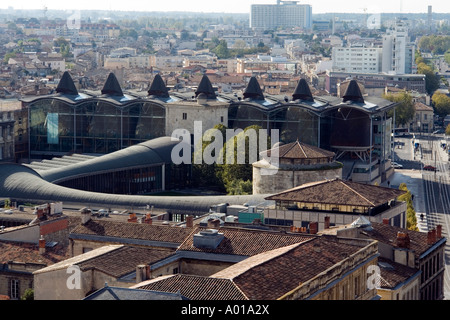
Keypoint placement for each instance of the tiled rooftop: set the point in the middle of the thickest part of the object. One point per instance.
(393, 274)
(267, 276)
(195, 287)
(130, 230)
(123, 260)
(247, 242)
(29, 253)
(339, 192)
(388, 234)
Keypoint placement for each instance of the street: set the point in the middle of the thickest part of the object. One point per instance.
(432, 195)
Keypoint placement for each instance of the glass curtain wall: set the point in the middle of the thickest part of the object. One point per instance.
(293, 122)
(92, 126)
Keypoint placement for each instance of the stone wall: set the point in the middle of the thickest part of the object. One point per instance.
(287, 179)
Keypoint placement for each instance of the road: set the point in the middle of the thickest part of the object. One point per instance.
(433, 196)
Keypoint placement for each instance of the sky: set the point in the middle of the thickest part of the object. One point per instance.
(234, 6)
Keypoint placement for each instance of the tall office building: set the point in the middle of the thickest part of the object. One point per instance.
(398, 51)
(357, 59)
(285, 14)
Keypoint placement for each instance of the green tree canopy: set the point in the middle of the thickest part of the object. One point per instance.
(431, 79)
(441, 104)
(404, 112)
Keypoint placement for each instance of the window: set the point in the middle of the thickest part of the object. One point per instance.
(175, 270)
(184, 116)
(14, 288)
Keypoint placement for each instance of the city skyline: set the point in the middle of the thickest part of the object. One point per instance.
(234, 6)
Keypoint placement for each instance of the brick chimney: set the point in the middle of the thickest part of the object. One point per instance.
(313, 227)
(438, 231)
(132, 218)
(327, 223)
(189, 221)
(403, 240)
(41, 245)
(433, 235)
(386, 221)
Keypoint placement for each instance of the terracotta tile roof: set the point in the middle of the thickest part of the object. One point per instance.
(128, 230)
(339, 192)
(388, 234)
(267, 276)
(247, 242)
(29, 253)
(299, 150)
(123, 260)
(195, 287)
(419, 106)
(276, 277)
(393, 274)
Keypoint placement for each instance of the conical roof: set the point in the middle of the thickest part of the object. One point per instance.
(353, 93)
(66, 85)
(158, 88)
(206, 88)
(253, 90)
(302, 91)
(112, 86)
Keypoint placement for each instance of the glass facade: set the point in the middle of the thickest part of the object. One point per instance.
(293, 122)
(94, 126)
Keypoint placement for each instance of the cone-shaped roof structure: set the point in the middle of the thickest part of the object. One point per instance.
(353, 93)
(66, 85)
(112, 86)
(253, 90)
(158, 88)
(206, 88)
(302, 91)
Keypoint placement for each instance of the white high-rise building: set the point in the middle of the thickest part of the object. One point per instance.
(285, 14)
(398, 51)
(356, 59)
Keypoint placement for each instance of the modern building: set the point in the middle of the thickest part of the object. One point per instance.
(398, 51)
(357, 59)
(284, 14)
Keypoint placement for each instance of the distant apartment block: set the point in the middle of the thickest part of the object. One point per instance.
(410, 82)
(357, 59)
(285, 14)
(398, 51)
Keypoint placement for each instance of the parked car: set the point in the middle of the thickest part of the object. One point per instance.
(429, 168)
(439, 131)
(397, 165)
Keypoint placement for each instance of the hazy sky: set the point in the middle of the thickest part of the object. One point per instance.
(234, 6)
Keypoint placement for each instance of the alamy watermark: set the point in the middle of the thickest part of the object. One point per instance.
(234, 152)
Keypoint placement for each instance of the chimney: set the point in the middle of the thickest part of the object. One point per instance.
(214, 223)
(313, 227)
(133, 218)
(403, 240)
(85, 215)
(327, 223)
(438, 231)
(386, 221)
(189, 221)
(41, 245)
(433, 235)
(430, 237)
(148, 219)
(141, 273)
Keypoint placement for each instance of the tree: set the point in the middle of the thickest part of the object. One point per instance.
(221, 50)
(431, 79)
(405, 111)
(28, 294)
(237, 170)
(441, 104)
(411, 220)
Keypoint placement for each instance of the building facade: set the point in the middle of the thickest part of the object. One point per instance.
(285, 14)
(398, 51)
(357, 59)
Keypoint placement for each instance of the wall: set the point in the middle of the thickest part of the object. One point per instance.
(202, 268)
(286, 179)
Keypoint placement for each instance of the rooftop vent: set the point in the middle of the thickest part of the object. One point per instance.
(208, 239)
